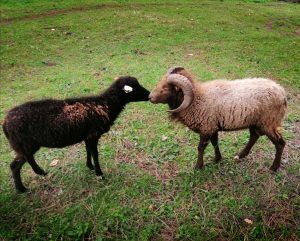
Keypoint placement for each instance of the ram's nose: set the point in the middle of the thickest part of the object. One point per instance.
(150, 96)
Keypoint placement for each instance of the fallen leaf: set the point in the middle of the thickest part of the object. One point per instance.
(248, 221)
(60, 192)
(48, 63)
(54, 162)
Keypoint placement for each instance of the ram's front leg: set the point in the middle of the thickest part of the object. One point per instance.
(215, 142)
(204, 141)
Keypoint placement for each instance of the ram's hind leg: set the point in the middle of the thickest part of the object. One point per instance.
(15, 167)
(204, 140)
(252, 140)
(278, 141)
(35, 167)
(215, 143)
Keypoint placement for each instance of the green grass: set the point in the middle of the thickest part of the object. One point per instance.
(151, 191)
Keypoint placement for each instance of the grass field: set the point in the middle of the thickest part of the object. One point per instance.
(71, 48)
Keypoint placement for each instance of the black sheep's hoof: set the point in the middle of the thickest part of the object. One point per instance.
(274, 168)
(40, 172)
(100, 177)
(99, 173)
(217, 159)
(43, 173)
(21, 189)
(91, 167)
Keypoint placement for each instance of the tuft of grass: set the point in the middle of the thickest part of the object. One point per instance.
(70, 48)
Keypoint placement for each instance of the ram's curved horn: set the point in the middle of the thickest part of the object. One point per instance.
(172, 69)
(186, 86)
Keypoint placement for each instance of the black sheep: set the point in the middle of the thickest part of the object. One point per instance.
(60, 123)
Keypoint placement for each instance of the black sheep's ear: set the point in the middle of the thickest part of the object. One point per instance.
(127, 89)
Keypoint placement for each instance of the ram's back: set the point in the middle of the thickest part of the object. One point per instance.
(239, 104)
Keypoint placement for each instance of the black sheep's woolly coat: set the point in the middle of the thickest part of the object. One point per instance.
(60, 123)
(56, 123)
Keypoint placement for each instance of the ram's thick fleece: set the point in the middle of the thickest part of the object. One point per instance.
(60, 123)
(237, 104)
(221, 105)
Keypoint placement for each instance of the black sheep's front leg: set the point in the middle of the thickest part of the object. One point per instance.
(92, 146)
(204, 140)
(88, 156)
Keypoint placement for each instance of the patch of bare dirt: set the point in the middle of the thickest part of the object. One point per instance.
(269, 25)
(165, 172)
(168, 233)
(49, 63)
(73, 10)
(72, 153)
(297, 32)
(57, 12)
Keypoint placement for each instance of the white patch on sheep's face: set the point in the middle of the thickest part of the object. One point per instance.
(127, 89)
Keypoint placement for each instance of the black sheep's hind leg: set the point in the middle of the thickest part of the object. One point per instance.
(15, 167)
(35, 167)
(88, 156)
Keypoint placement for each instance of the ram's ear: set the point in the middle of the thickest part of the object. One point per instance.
(127, 89)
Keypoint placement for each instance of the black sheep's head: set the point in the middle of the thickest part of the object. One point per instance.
(131, 90)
